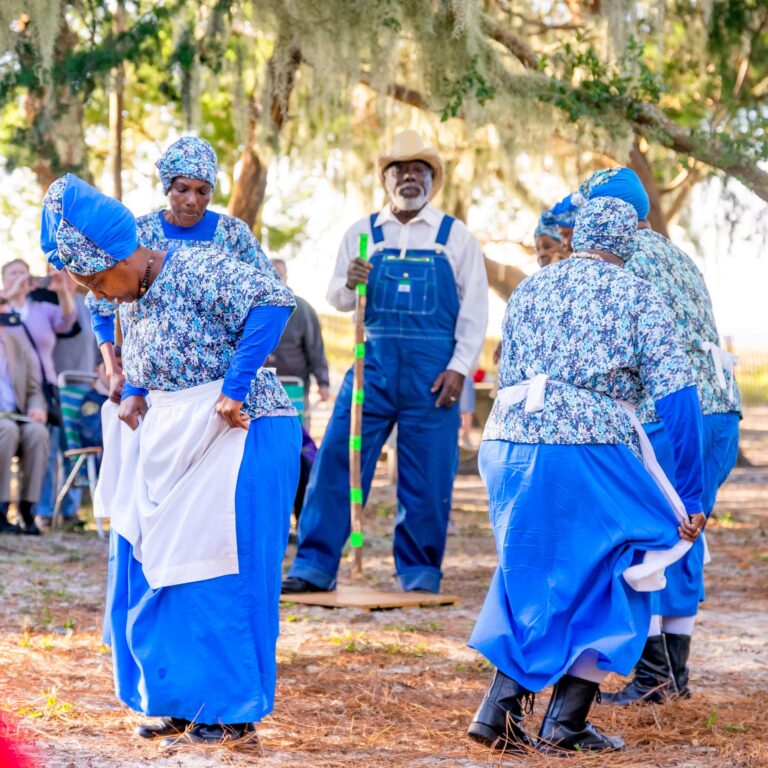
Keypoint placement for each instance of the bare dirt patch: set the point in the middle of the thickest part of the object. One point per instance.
(391, 688)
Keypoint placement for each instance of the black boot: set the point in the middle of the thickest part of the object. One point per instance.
(5, 526)
(565, 725)
(498, 722)
(25, 510)
(165, 726)
(678, 648)
(200, 733)
(653, 677)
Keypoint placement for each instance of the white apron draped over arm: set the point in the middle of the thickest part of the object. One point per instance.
(648, 575)
(723, 362)
(169, 486)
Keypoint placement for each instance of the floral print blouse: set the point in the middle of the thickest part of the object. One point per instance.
(677, 279)
(185, 329)
(601, 335)
(231, 234)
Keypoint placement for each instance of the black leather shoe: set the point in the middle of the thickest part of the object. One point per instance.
(31, 530)
(293, 585)
(678, 650)
(200, 733)
(565, 726)
(6, 527)
(165, 726)
(652, 680)
(498, 722)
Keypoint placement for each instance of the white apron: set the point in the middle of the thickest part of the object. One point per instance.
(648, 575)
(169, 486)
(723, 362)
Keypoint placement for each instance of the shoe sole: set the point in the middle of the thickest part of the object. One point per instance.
(489, 737)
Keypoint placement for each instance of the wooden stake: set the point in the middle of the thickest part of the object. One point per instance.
(356, 425)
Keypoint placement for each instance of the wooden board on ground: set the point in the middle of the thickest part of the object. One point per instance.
(369, 599)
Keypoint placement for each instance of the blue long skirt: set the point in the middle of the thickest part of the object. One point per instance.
(568, 520)
(205, 651)
(685, 578)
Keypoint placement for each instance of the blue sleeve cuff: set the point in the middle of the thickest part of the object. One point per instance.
(130, 391)
(103, 328)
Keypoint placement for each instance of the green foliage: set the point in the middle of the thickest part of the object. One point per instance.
(471, 84)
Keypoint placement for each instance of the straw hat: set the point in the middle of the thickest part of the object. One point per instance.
(407, 146)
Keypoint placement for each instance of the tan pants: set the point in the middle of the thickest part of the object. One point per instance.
(30, 442)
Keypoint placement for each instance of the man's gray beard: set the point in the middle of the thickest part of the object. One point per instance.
(409, 203)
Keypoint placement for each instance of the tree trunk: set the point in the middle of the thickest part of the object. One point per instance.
(638, 162)
(116, 113)
(249, 189)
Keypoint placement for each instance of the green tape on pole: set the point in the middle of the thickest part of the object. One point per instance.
(361, 289)
(356, 539)
(356, 442)
(363, 246)
(356, 495)
(359, 350)
(358, 396)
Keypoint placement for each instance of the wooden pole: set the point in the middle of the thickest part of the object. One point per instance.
(356, 425)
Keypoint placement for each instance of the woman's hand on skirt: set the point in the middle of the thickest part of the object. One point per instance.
(691, 529)
(231, 411)
(132, 410)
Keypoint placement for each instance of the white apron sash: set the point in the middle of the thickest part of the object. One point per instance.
(648, 575)
(169, 486)
(723, 362)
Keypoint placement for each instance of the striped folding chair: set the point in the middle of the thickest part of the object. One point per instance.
(73, 386)
(294, 388)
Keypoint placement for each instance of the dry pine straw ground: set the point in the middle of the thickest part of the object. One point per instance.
(394, 688)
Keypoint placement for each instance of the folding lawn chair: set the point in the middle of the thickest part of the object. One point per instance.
(73, 386)
(294, 388)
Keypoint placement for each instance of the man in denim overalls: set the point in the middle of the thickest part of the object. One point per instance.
(425, 324)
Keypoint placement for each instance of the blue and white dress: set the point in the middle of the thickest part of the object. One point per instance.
(681, 285)
(205, 651)
(571, 504)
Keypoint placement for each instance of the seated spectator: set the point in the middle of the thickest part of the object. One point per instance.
(41, 321)
(300, 351)
(22, 431)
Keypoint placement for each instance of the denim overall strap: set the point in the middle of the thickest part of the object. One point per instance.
(376, 231)
(444, 232)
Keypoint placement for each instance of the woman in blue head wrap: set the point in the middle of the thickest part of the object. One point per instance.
(548, 241)
(187, 170)
(662, 673)
(583, 527)
(193, 585)
(563, 215)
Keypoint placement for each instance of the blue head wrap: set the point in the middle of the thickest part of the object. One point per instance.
(564, 213)
(606, 224)
(190, 157)
(83, 229)
(51, 218)
(622, 183)
(548, 226)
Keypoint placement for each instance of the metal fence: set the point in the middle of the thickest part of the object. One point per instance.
(751, 372)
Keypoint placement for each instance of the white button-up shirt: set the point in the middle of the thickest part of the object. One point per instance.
(466, 260)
